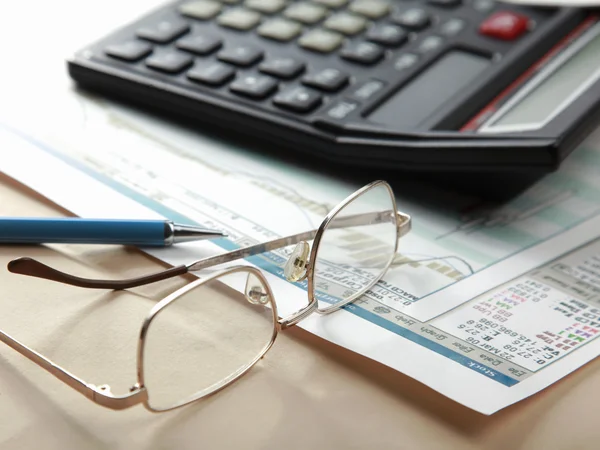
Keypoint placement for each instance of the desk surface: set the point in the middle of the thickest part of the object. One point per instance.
(307, 393)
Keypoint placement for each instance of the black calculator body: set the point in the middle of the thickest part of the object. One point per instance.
(413, 85)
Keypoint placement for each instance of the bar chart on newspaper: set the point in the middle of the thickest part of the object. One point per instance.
(503, 299)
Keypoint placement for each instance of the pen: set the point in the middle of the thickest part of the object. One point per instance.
(157, 233)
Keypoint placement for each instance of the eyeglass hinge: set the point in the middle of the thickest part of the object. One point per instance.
(404, 223)
(103, 396)
(298, 316)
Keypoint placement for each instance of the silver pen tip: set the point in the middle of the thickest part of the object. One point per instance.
(191, 233)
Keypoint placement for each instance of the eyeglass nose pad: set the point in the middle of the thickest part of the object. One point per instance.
(295, 268)
(255, 291)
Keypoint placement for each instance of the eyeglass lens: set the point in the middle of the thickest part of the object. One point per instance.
(352, 258)
(205, 338)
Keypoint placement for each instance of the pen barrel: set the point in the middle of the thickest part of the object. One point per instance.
(83, 231)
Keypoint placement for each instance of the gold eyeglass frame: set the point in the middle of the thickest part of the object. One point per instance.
(102, 394)
(138, 393)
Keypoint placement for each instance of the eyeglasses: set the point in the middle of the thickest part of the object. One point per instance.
(226, 322)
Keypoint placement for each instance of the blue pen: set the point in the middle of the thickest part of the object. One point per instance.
(156, 233)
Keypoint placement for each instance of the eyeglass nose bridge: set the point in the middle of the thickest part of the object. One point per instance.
(296, 266)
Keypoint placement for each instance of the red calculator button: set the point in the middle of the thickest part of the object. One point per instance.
(504, 25)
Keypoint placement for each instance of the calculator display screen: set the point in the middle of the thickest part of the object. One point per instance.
(421, 97)
(554, 89)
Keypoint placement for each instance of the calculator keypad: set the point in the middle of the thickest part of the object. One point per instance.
(505, 25)
(130, 51)
(201, 9)
(452, 27)
(363, 52)
(242, 55)
(303, 56)
(211, 73)
(388, 35)
(306, 13)
(254, 86)
(286, 68)
(169, 62)
(412, 19)
(332, 3)
(280, 29)
(430, 44)
(200, 44)
(266, 6)
(373, 9)
(164, 31)
(239, 19)
(298, 99)
(330, 80)
(447, 3)
(320, 40)
(346, 23)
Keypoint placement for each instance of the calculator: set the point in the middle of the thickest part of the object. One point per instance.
(408, 85)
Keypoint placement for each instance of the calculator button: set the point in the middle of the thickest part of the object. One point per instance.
(320, 40)
(129, 51)
(367, 90)
(444, 2)
(201, 9)
(389, 35)
(239, 19)
(327, 80)
(254, 86)
(414, 18)
(298, 99)
(280, 29)
(505, 25)
(430, 44)
(164, 31)
(201, 44)
(346, 23)
(169, 62)
(452, 27)
(405, 61)
(241, 56)
(266, 6)
(341, 110)
(332, 3)
(307, 13)
(483, 5)
(373, 9)
(363, 52)
(286, 68)
(211, 73)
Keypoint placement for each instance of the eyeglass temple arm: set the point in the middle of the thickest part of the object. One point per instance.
(402, 220)
(98, 394)
(34, 268)
(31, 267)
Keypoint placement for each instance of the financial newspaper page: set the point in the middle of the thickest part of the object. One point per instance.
(485, 304)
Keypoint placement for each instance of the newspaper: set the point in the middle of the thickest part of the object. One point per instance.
(487, 305)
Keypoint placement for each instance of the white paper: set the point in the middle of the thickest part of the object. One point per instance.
(98, 159)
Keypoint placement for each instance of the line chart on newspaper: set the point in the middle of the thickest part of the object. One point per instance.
(486, 306)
